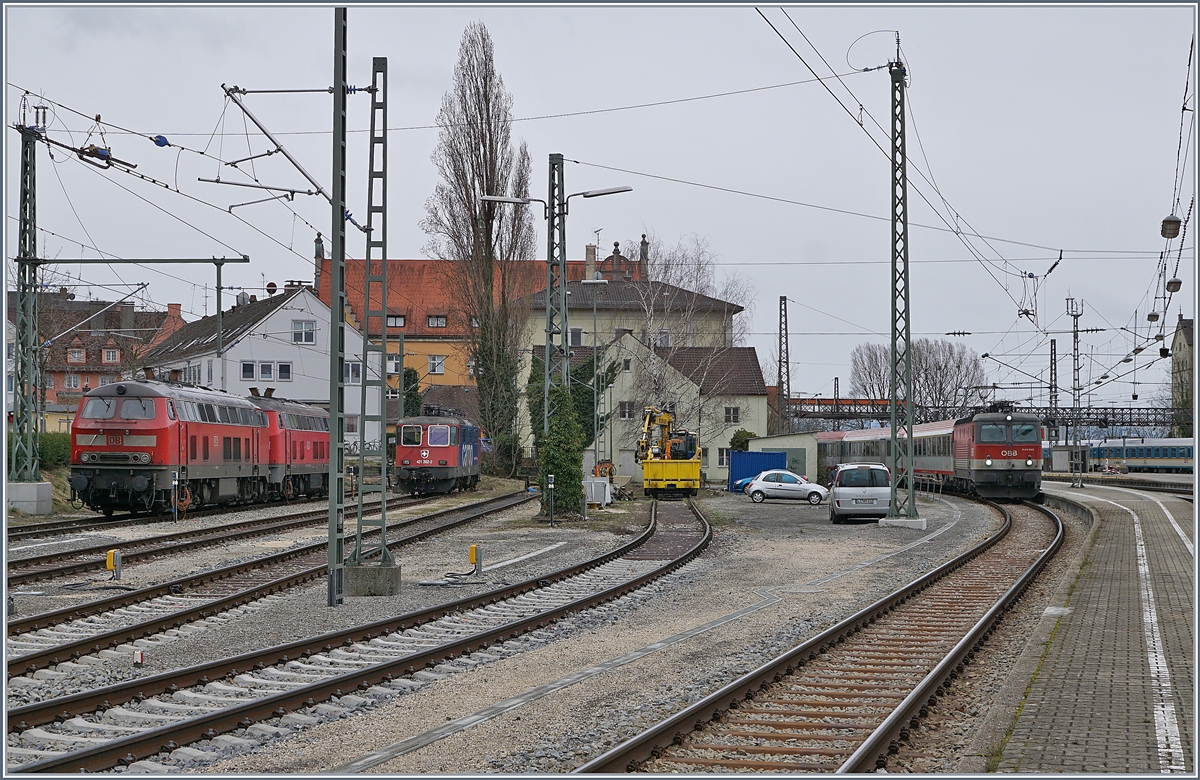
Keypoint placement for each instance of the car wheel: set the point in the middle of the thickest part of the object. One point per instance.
(833, 518)
(758, 496)
(814, 498)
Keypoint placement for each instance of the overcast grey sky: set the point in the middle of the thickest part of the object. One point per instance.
(1045, 128)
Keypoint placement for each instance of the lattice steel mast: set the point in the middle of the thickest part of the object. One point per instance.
(25, 465)
(784, 385)
(337, 322)
(557, 362)
(372, 460)
(902, 504)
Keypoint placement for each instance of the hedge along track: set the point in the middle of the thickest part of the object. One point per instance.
(140, 718)
(93, 558)
(66, 635)
(845, 699)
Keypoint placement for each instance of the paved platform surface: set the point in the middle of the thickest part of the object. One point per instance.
(1113, 690)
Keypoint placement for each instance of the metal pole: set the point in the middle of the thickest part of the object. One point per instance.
(27, 381)
(556, 367)
(784, 386)
(337, 321)
(220, 331)
(901, 413)
(595, 389)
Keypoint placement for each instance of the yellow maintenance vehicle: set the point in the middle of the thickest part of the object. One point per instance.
(670, 457)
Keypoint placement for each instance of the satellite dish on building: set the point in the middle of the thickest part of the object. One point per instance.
(271, 288)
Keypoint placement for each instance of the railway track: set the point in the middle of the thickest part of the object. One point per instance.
(117, 625)
(847, 698)
(76, 560)
(99, 729)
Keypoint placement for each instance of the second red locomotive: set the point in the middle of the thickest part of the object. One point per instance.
(437, 453)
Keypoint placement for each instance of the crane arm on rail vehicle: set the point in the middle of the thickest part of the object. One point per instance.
(667, 443)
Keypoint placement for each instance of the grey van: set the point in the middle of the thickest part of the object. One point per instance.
(860, 490)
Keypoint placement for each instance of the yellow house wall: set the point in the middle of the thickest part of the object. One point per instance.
(416, 357)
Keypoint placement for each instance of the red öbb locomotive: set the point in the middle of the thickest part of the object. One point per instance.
(437, 453)
(993, 454)
(129, 438)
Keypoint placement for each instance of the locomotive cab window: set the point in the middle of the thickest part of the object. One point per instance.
(99, 409)
(439, 435)
(137, 409)
(1025, 433)
(991, 433)
(410, 436)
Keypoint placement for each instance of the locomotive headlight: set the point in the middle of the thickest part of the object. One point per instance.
(144, 457)
(1029, 461)
(987, 462)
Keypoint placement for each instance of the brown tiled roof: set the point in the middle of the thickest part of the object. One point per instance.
(718, 370)
(636, 296)
(200, 337)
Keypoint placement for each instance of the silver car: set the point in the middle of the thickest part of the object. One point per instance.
(784, 484)
(860, 490)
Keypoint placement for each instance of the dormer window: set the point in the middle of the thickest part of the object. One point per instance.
(76, 355)
(395, 321)
(436, 320)
(111, 355)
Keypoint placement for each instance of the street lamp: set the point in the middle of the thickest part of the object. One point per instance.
(599, 280)
(555, 210)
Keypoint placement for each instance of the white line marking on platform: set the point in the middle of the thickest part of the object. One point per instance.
(1166, 726)
(1170, 518)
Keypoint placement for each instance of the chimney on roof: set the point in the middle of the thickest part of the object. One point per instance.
(589, 254)
(173, 375)
(148, 372)
(644, 258)
(270, 391)
(174, 310)
(254, 392)
(318, 257)
(253, 298)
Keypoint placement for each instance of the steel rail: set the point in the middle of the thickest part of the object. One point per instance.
(154, 546)
(633, 752)
(129, 749)
(71, 651)
(872, 753)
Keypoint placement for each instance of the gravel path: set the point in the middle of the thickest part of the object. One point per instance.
(786, 557)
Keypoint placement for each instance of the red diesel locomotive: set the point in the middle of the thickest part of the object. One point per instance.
(437, 454)
(298, 445)
(130, 438)
(990, 454)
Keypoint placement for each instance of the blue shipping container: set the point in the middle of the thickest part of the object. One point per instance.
(751, 464)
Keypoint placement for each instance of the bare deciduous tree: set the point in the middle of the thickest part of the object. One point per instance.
(489, 244)
(942, 371)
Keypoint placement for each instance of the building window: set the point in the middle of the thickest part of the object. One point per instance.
(111, 355)
(11, 351)
(627, 366)
(471, 367)
(722, 456)
(436, 320)
(394, 363)
(352, 374)
(628, 410)
(704, 457)
(266, 371)
(10, 383)
(209, 375)
(247, 370)
(437, 364)
(285, 372)
(304, 331)
(75, 356)
(576, 337)
(107, 380)
(664, 338)
(731, 414)
(351, 423)
(70, 381)
(395, 321)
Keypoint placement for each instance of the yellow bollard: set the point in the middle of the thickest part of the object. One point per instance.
(113, 563)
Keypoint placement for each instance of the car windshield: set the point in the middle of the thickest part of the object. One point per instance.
(855, 478)
(99, 409)
(410, 435)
